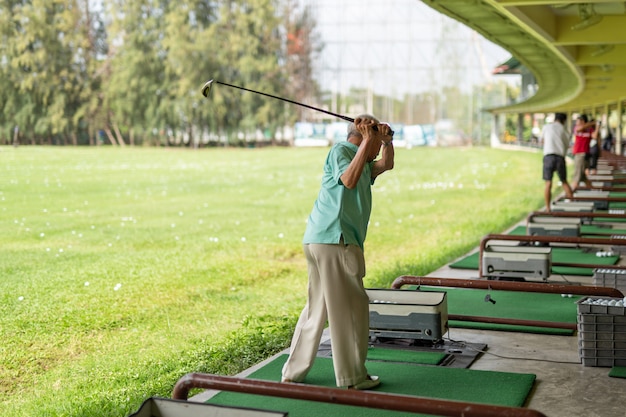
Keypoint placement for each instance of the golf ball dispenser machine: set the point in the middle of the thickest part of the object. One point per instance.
(408, 314)
(517, 262)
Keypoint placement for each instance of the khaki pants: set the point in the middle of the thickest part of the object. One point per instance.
(335, 293)
(579, 169)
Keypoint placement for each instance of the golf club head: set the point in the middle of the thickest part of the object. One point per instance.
(207, 88)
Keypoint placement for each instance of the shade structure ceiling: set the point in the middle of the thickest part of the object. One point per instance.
(576, 50)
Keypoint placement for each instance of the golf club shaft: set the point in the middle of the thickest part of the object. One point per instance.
(349, 119)
(207, 87)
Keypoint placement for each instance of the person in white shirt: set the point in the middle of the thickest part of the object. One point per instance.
(555, 141)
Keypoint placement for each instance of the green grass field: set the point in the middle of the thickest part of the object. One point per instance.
(123, 269)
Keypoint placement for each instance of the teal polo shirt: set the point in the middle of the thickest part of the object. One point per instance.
(338, 210)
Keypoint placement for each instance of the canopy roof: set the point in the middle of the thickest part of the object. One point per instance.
(576, 50)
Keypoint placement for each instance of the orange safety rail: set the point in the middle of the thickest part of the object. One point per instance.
(507, 286)
(576, 215)
(595, 198)
(379, 400)
(604, 187)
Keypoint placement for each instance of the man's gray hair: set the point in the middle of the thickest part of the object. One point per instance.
(352, 130)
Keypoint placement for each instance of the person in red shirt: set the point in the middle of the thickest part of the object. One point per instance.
(583, 131)
(594, 150)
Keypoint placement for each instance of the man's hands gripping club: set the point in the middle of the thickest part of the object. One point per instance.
(372, 136)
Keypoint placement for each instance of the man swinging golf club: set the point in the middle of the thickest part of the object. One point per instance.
(333, 245)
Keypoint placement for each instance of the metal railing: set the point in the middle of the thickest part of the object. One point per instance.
(379, 400)
(508, 286)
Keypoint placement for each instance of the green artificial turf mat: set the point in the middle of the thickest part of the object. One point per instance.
(409, 356)
(618, 372)
(518, 231)
(590, 229)
(609, 219)
(559, 255)
(458, 384)
(517, 305)
(508, 328)
(467, 262)
(615, 204)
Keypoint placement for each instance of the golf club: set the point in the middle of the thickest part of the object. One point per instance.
(206, 90)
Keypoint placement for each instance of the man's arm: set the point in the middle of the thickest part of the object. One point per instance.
(385, 163)
(583, 126)
(596, 130)
(565, 138)
(351, 175)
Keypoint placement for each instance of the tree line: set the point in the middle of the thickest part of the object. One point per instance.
(126, 72)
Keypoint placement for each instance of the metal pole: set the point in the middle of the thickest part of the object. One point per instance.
(507, 286)
(385, 401)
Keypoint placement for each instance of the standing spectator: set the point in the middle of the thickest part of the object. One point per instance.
(333, 245)
(594, 151)
(607, 141)
(555, 143)
(583, 130)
